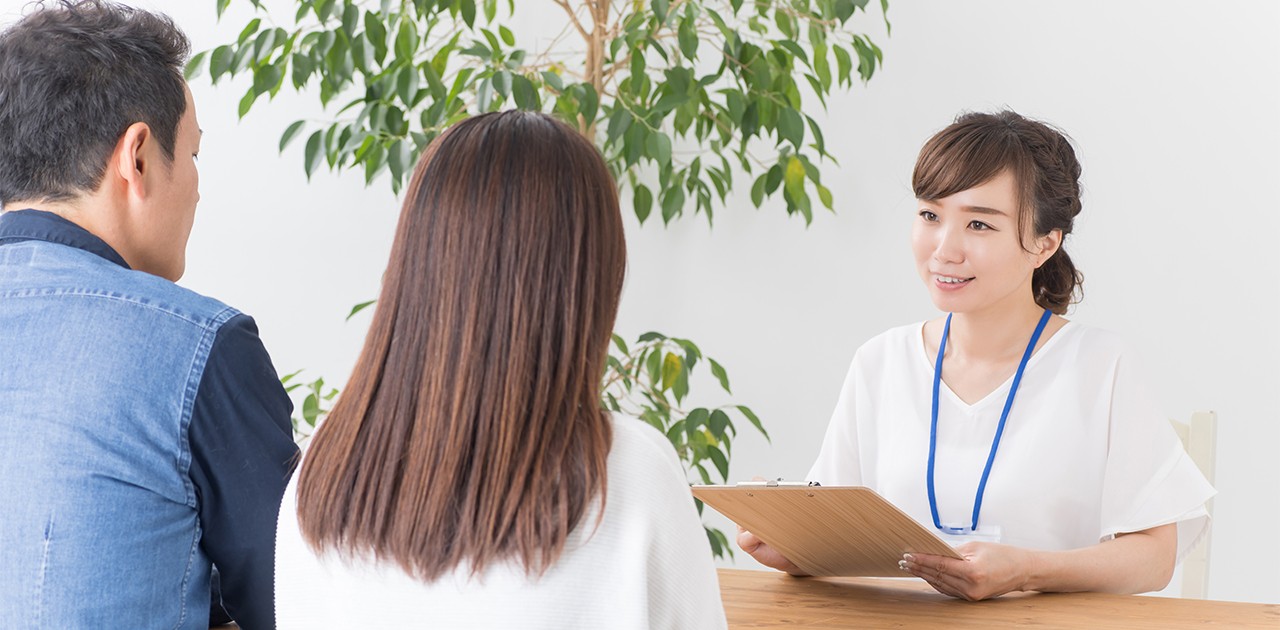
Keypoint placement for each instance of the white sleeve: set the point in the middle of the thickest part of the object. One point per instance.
(838, 462)
(1149, 478)
(684, 590)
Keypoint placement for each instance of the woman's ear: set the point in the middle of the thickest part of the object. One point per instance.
(1047, 246)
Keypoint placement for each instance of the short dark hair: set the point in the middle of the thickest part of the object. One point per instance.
(74, 75)
(976, 148)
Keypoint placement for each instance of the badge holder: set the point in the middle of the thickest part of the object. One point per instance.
(956, 534)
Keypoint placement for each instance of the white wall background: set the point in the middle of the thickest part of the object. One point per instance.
(1175, 108)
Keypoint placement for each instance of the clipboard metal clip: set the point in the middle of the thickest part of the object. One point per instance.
(777, 483)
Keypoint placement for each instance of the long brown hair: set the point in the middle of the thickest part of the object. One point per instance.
(976, 148)
(471, 431)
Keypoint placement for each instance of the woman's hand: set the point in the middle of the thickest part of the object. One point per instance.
(766, 555)
(988, 570)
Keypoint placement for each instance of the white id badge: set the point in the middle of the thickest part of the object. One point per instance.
(956, 534)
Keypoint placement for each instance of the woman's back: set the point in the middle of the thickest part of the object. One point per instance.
(471, 440)
(646, 565)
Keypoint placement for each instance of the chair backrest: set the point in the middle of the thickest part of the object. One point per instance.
(1200, 438)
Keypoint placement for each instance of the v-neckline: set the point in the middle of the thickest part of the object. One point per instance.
(1003, 386)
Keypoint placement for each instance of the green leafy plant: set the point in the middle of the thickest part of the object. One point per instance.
(644, 379)
(681, 96)
(314, 404)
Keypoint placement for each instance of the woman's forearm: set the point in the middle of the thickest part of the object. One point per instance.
(1130, 563)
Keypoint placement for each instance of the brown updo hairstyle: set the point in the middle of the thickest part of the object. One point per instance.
(976, 148)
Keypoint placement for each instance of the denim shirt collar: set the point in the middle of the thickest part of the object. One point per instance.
(38, 225)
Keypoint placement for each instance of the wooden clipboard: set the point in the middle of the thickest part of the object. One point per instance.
(826, 530)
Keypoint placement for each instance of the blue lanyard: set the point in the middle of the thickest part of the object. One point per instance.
(995, 443)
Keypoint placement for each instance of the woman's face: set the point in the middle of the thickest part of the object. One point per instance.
(968, 250)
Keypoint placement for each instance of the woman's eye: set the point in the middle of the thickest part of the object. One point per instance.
(979, 226)
(928, 216)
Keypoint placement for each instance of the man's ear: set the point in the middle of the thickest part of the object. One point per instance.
(1048, 246)
(132, 160)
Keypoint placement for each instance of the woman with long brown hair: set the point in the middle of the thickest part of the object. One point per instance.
(1027, 440)
(468, 476)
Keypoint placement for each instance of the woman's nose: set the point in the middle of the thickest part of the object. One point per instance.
(949, 247)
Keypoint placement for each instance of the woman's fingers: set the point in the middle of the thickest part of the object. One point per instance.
(946, 575)
(764, 554)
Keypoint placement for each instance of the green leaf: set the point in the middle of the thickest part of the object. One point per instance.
(247, 101)
(407, 85)
(773, 178)
(484, 95)
(722, 464)
(620, 343)
(220, 62)
(311, 409)
(643, 200)
(658, 147)
(660, 8)
(376, 33)
(672, 203)
(194, 66)
(757, 190)
(303, 66)
(589, 102)
(680, 388)
(406, 41)
(671, 365)
(508, 37)
(653, 365)
(524, 94)
(502, 83)
(264, 80)
(676, 434)
(313, 153)
(350, 19)
(360, 307)
(791, 127)
(222, 7)
(717, 370)
(717, 424)
(249, 30)
(469, 13)
(688, 38)
(755, 421)
(794, 177)
(552, 79)
(824, 195)
(290, 133)
(696, 418)
(619, 121)
(284, 380)
(844, 65)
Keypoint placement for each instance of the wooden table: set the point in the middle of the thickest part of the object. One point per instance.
(766, 599)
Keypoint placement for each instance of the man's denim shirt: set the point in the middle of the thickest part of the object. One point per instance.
(143, 435)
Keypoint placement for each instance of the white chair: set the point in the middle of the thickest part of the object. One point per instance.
(1200, 438)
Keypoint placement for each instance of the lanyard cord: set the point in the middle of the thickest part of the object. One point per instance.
(1004, 415)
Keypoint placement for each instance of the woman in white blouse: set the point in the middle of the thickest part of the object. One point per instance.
(469, 477)
(1038, 450)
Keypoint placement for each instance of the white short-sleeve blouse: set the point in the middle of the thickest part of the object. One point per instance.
(1085, 454)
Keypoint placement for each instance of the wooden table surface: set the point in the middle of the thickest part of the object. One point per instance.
(767, 599)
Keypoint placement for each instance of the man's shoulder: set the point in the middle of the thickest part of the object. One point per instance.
(78, 273)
